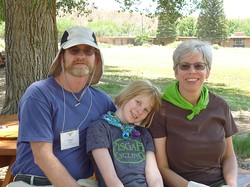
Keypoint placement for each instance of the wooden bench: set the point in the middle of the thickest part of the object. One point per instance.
(7, 147)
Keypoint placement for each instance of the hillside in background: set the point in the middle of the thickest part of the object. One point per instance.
(137, 19)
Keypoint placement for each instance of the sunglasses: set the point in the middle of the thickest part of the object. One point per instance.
(197, 66)
(87, 51)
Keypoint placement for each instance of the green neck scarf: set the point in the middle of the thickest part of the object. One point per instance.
(173, 95)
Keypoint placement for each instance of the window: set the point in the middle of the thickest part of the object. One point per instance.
(238, 42)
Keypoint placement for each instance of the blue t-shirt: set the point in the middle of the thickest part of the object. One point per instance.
(128, 155)
(43, 110)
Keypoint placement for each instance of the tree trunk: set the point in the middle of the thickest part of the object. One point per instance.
(31, 44)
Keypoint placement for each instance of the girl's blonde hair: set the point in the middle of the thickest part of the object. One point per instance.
(140, 87)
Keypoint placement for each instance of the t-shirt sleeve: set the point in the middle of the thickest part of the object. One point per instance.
(158, 126)
(149, 141)
(97, 136)
(229, 126)
(35, 118)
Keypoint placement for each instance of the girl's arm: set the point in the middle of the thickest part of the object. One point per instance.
(153, 175)
(169, 177)
(106, 167)
(229, 164)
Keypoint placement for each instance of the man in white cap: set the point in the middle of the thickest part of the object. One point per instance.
(54, 114)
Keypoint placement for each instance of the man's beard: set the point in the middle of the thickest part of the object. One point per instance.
(78, 71)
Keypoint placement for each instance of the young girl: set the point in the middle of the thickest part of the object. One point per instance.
(122, 147)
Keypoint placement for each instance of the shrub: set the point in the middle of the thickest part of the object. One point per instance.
(241, 145)
(216, 46)
(130, 29)
(105, 28)
(143, 39)
(105, 45)
(63, 24)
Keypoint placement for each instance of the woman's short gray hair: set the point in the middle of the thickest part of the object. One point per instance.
(191, 47)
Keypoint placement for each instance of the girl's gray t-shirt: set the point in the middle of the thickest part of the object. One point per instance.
(128, 155)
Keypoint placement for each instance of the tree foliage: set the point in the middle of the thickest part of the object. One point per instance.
(239, 25)
(187, 26)
(82, 7)
(105, 28)
(173, 9)
(137, 6)
(166, 29)
(169, 12)
(176, 8)
(212, 25)
(1, 11)
(79, 6)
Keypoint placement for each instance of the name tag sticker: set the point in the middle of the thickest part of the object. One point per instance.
(69, 139)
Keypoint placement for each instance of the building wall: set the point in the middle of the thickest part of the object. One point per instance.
(230, 42)
(164, 41)
(116, 40)
(247, 42)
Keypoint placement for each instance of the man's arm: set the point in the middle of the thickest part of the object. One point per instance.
(51, 166)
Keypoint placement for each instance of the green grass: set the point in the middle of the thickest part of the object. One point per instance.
(230, 74)
(242, 145)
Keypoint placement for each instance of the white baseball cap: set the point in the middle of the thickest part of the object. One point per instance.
(75, 36)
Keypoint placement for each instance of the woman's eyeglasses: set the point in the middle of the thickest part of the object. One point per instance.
(197, 66)
(86, 51)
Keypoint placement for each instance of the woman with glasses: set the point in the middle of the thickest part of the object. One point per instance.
(193, 129)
